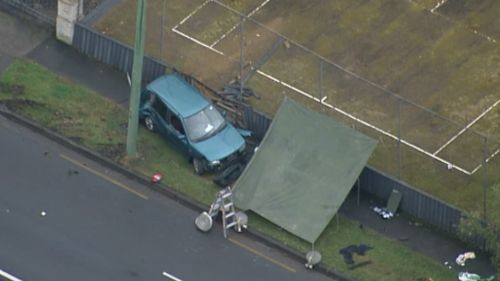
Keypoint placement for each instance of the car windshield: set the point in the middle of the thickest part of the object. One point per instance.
(203, 124)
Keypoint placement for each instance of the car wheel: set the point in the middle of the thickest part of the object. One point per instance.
(149, 123)
(199, 166)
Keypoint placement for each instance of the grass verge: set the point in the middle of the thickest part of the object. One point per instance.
(96, 122)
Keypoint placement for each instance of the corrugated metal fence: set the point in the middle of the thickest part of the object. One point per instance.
(415, 203)
(113, 53)
(256, 122)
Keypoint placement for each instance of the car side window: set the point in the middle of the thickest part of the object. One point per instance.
(150, 97)
(176, 123)
(159, 106)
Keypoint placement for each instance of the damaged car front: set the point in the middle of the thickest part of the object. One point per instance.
(179, 112)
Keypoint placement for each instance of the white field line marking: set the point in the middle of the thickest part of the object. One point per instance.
(467, 127)
(236, 25)
(191, 14)
(337, 109)
(171, 276)
(197, 41)
(489, 38)
(174, 29)
(487, 160)
(9, 276)
(439, 4)
(475, 31)
(322, 101)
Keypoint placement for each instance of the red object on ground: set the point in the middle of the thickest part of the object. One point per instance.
(156, 177)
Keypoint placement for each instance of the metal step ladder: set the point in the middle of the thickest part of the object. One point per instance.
(228, 212)
(224, 203)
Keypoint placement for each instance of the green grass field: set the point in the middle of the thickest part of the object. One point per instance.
(443, 61)
(81, 114)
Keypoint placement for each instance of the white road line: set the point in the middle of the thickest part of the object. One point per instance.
(9, 276)
(467, 127)
(191, 14)
(171, 276)
(439, 4)
(487, 160)
(364, 122)
(196, 41)
(236, 25)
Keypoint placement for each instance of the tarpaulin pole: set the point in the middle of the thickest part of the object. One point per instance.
(359, 188)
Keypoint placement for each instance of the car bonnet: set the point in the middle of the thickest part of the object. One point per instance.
(220, 145)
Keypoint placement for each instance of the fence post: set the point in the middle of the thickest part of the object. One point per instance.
(485, 181)
(67, 15)
(321, 90)
(162, 38)
(399, 139)
(242, 53)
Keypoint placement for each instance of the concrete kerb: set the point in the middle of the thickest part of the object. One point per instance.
(161, 188)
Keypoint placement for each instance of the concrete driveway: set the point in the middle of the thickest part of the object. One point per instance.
(18, 38)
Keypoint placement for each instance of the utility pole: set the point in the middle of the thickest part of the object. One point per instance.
(133, 117)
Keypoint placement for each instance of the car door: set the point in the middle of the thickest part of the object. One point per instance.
(175, 130)
(159, 113)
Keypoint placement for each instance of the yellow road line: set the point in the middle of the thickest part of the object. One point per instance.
(252, 250)
(113, 181)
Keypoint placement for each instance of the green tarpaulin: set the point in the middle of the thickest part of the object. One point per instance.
(303, 170)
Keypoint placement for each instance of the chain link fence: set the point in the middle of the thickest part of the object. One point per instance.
(444, 147)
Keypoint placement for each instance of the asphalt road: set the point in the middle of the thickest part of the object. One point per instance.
(99, 225)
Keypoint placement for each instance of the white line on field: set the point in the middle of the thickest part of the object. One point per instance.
(191, 14)
(439, 4)
(9, 276)
(475, 31)
(171, 276)
(363, 122)
(487, 160)
(467, 127)
(489, 38)
(449, 164)
(174, 29)
(197, 41)
(236, 25)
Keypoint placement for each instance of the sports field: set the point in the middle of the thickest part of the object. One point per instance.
(421, 76)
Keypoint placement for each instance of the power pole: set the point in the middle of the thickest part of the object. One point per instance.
(133, 117)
